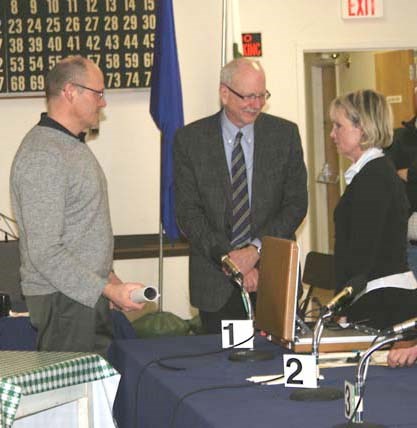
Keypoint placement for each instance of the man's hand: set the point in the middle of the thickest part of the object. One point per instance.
(403, 354)
(250, 280)
(403, 174)
(245, 258)
(119, 295)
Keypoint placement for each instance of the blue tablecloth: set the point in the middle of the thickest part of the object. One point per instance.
(149, 396)
(17, 333)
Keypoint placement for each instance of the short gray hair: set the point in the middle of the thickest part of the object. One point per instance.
(70, 69)
(229, 70)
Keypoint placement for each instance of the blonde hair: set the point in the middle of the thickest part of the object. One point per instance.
(368, 110)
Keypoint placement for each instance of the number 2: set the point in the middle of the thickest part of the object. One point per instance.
(297, 371)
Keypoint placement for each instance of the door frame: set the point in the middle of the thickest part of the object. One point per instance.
(308, 46)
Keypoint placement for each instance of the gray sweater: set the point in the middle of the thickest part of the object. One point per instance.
(59, 198)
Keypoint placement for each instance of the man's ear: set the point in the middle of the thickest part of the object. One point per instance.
(224, 94)
(68, 92)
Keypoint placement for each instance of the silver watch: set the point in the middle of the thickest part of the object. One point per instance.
(258, 249)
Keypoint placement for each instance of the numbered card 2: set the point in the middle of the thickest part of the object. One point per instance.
(300, 371)
(237, 331)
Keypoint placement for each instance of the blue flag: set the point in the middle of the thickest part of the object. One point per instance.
(166, 106)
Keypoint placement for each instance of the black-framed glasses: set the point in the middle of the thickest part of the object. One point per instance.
(250, 97)
(99, 93)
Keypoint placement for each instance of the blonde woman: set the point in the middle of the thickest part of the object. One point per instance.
(371, 217)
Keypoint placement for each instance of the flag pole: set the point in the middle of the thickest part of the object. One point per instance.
(167, 112)
(231, 34)
(161, 235)
(224, 29)
(161, 253)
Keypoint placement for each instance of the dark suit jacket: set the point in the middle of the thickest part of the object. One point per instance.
(403, 152)
(203, 196)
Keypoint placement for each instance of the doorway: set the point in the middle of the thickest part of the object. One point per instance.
(328, 74)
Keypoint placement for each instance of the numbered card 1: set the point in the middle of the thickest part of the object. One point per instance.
(300, 371)
(237, 331)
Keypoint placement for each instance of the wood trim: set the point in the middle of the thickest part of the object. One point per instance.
(147, 246)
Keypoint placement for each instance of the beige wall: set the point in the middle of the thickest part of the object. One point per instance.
(359, 75)
(128, 144)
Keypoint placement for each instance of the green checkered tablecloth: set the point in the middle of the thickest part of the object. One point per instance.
(25, 373)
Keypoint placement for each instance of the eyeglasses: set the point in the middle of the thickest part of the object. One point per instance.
(99, 93)
(250, 97)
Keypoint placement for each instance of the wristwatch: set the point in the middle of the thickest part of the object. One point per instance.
(258, 249)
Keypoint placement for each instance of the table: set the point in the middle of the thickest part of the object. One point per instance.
(150, 396)
(35, 381)
(17, 333)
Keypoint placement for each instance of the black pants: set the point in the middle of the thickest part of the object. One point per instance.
(65, 325)
(384, 307)
(232, 310)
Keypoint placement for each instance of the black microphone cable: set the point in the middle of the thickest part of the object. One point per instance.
(159, 361)
(216, 387)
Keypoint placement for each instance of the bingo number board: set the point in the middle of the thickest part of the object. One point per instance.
(118, 35)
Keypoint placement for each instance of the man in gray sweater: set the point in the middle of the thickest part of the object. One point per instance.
(59, 198)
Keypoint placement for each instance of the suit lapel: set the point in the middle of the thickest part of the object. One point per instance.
(260, 160)
(218, 158)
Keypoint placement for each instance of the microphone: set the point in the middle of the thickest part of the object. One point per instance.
(145, 294)
(400, 327)
(231, 268)
(219, 256)
(339, 300)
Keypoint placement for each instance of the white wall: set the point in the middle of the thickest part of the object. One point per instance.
(289, 29)
(127, 146)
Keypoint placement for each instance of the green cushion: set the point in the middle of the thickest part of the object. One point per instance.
(195, 325)
(158, 324)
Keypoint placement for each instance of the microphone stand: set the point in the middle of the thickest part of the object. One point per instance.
(361, 373)
(323, 393)
(248, 355)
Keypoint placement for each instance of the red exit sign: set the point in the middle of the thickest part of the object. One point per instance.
(252, 44)
(355, 9)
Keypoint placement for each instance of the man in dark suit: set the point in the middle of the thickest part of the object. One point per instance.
(274, 181)
(403, 152)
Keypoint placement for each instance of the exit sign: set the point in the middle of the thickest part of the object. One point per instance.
(356, 9)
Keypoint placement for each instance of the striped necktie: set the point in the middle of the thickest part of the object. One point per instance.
(240, 197)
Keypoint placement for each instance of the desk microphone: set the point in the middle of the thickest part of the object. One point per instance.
(232, 269)
(401, 327)
(339, 299)
(222, 258)
(236, 275)
(326, 312)
(145, 294)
